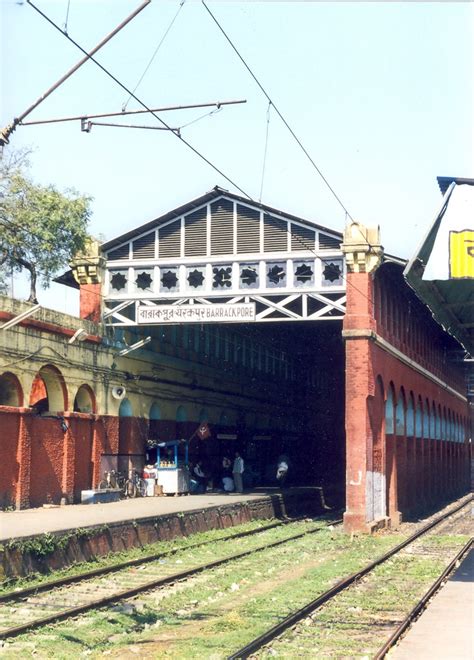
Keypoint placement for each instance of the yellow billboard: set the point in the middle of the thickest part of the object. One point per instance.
(461, 254)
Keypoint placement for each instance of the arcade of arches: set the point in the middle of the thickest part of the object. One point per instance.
(375, 407)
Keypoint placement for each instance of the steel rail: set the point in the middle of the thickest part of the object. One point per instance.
(129, 563)
(307, 609)
(159, 582)
(422, 603)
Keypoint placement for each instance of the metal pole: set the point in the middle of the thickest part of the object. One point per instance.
(89, 125)
(8, 130)
(218, 104)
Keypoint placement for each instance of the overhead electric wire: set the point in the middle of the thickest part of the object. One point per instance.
(265, 151)
(346, 212)
(125, 88)
(67, 16)
(206, 160)
(8, 130)
(277, 111)
(124, 107)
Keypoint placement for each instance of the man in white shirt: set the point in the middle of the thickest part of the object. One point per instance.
(237, 472)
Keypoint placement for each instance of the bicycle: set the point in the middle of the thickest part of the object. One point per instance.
(112, 480)
(134, 486)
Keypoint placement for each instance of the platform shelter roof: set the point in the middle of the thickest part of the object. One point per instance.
(442, 269)
(257, 263)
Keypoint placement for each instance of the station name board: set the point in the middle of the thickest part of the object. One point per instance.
(215, 313)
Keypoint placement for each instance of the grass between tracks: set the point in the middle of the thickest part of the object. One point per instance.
(357, 622)
(216, 612)
(111, 559)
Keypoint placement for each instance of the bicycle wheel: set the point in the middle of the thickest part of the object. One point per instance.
(130, 488)
(121, 483)
(141, 487)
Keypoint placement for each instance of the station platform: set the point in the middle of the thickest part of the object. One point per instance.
(56, 518)
(445, 630)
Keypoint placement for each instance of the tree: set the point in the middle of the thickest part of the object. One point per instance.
(40, 228)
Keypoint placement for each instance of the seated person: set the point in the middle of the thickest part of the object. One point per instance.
(228, 484)
(199, 476)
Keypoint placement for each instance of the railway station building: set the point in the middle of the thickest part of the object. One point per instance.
(238, 327)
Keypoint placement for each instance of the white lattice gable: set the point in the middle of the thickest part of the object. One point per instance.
(228, 249)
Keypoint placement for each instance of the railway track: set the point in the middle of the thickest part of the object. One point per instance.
(291, 622)
(37, 606)
(418, 609)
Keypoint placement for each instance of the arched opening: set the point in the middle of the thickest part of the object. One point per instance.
(438, 423)
(390, 454)
(389, 412)
(224, 419)
(11, 393)
(419, 419)
(376, 479)
(433, 423)
(153, 436)
(410, 429)
(84, 401)
(48, 392)
(427, 421)
(181, 419)
(401, 458)
(181, 415)
(400, 414)
(125, 409)
(411, 454)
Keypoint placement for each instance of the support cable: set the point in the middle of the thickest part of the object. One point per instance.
(207, 114)
(8, 130)
(124, 107)
(347, 214)
(277, 111)
(128, 91)
(67, 16)
(265, 151)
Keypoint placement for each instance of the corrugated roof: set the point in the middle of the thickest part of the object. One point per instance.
(215, 193)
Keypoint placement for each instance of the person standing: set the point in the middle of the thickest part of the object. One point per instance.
(237, 472)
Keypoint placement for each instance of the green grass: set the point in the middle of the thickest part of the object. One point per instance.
(217, 612)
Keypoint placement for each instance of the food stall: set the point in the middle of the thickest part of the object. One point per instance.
(172, 467)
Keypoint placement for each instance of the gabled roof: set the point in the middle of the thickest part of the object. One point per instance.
(442, 278)
(210, 196)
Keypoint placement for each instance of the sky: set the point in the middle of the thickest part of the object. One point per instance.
(378, 93)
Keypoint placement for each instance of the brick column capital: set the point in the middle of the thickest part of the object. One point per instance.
(362, 248)
(88, 266)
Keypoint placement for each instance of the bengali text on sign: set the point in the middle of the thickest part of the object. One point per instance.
(216, 313)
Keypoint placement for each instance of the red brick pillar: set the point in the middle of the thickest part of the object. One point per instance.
(90, 302)
(363, 255)
(88, 270)
(105, 441)
(22, 498)
(69, 461)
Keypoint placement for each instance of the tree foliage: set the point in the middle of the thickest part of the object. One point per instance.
(40, 228)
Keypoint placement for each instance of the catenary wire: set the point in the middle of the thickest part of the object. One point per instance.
(206, 160)
(67, 16)
(265, 150)
(142, 103)
(346, 212)
(124, 107)
(277, 111)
